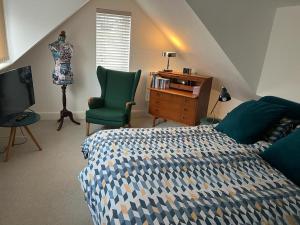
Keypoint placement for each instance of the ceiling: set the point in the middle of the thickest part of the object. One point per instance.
(283, 3)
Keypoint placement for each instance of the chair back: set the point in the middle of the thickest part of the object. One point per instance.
(117, 87)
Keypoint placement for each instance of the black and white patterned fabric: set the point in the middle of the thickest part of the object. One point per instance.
(185, 175)
(297, 127)
(280, 130)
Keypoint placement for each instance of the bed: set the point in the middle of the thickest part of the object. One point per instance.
(183, 175)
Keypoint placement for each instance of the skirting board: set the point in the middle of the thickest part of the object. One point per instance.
(81, 115)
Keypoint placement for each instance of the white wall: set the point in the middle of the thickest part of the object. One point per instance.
(242, 29)
(222, 108)
(27, 22)
(146, 46)
(281, 72)
(196, 45)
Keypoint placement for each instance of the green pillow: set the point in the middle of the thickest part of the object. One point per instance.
(249, 121)
(284, 155)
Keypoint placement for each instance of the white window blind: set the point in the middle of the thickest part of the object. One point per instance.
(3, 44)
(113, 29)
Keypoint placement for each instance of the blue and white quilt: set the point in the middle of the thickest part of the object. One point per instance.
(185, 175)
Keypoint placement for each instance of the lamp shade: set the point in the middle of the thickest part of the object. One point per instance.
(169, 54)
(224, 95)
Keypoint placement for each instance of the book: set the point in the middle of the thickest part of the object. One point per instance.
(196, 90)
(160, 83)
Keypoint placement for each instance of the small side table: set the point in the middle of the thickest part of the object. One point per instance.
(209, 121)
(30, 118)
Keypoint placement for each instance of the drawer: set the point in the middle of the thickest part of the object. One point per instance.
(189, 102)
(188, 114)
(189, 107)
(188, 111)
(165, 97)
(165, 113)
(186, 119)
(173, 107)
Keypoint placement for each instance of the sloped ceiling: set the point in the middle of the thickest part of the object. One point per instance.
(195, 44)
(284, 3)
(28, 22)
(242, 28)
(227, 39)
(280, 76)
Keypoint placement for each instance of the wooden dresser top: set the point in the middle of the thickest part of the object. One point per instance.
(181, 76)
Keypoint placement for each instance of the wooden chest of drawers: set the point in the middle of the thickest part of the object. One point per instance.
(179, 105)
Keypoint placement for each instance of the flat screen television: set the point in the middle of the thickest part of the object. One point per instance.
(16, 92)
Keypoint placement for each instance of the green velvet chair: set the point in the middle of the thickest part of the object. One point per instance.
(113, 108)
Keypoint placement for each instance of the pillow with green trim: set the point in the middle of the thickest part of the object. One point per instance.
(284, 155)
(248, 122)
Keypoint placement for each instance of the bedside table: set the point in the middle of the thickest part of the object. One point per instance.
(209, 121)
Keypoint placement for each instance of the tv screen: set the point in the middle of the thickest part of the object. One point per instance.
(16, 92)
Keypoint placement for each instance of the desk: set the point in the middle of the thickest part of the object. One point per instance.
(13, 124)
(178, 103)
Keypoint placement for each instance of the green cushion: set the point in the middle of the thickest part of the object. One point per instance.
(107, 114)
(284, 155)
(248, 122)
(293, 111)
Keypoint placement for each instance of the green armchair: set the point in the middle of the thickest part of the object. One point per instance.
(117, 98)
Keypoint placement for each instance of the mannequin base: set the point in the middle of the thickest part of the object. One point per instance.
(65, 113)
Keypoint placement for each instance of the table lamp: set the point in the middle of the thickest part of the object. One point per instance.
(224, 96)
(169, 55)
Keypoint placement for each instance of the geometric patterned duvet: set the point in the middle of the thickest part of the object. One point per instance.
(185, 175)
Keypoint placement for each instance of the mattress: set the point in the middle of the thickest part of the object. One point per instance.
(184, 175)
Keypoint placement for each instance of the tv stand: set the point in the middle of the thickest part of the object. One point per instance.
(21, 117)
(64, 112)
(12, 123)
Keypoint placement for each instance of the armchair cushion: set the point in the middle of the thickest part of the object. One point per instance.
(105, 113)
(95, 102)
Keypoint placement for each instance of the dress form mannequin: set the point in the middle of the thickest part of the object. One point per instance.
(62, 75)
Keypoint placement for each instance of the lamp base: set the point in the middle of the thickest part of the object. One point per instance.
(165, 70)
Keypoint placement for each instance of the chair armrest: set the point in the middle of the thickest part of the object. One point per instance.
(129, 104)
(95, 102)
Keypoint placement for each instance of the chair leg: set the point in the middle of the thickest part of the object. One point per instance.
(14, 138)
(87, 129)
(10, 143)
(33, 138)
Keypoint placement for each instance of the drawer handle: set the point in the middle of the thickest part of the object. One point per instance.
(185, 109)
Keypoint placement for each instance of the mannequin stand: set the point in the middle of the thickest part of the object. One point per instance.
(64, 112)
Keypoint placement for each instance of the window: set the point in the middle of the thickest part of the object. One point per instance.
(113, 30)
(3, 45)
